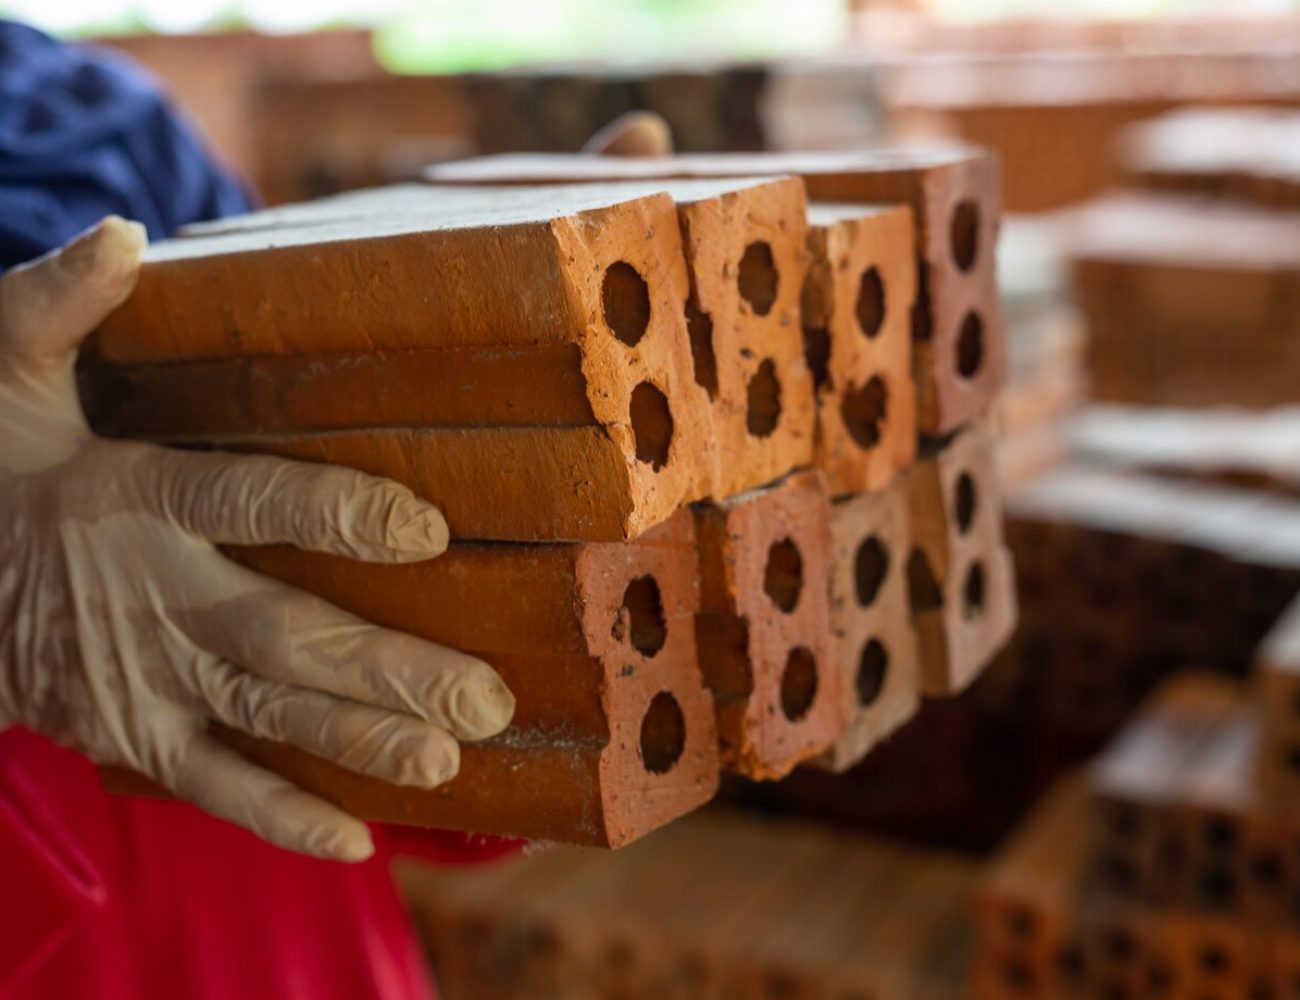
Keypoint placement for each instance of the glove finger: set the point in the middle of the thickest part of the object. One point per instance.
(287, 635)
(386, 745)
(48, 307)
(227, 785)
(259, 500)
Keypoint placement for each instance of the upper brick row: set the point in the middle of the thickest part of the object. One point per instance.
(658, 334)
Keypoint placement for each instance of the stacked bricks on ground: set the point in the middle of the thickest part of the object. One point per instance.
(1046, 377)
(1251, 154)
(1189, 302)
(1052, 115)
(563, 378)
(1124, 576)
(1277, 679)
(1045, 929)
(717, 905)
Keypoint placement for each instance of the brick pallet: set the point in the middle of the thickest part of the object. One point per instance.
(1187, 302)
(1124, 577)
(959, 351)
(718, 905)
(1180, 819)
(1043, 931)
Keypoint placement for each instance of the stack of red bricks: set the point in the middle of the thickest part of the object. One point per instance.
(1126, 575)
(673, 425)
(1172, 868)
(1248, 154)
(719, 905)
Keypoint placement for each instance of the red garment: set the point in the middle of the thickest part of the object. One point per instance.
(109, 897)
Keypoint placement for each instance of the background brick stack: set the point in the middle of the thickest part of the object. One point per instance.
(717, 905)
(1168, 870)
(579, 362)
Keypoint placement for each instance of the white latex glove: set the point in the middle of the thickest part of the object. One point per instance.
(123, 631)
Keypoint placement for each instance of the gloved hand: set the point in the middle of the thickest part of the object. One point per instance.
(123, 631)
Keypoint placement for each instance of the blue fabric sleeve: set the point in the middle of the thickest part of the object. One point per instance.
(84, 133)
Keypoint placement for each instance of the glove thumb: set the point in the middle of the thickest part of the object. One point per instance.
(49, 306)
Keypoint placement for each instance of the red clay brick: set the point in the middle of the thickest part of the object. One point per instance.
(856, 304)
(875, 644)
(433, 281)
(764, 632)
(613, 733)
(960, 576)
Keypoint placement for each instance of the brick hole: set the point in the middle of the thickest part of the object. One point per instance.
(813, 319)
(778, 985)
(652, 425)
(870, 567)
(1217, 888)
(922, 321)
(1021, 923)
(704, 362)
(798, 683)
(1266, 869)
(641, 617)
(1125, 821)
(1214, 959)
(966, 501)
(922, 587)
(973, 590)
(1160, 979)
(1016, 975)
(663, 734)
(964, 233)
(1171, 854)
(625, 297)
(863, 410)
(870, 308)
(763, 411)
(758, 278)
(1291, 755)
(873, 668)
(1119, 872)
(1120, 945)
(1116, 990)
(1261, 989)
(970, 345)
(783, 575)
(1071, 963)
(1220, 835)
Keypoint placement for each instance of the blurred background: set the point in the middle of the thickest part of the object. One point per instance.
(1150, 453)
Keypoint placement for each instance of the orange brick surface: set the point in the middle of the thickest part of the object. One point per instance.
(959, 349)
(764, 628)
(613, 733)
(620, 434)
(856, 311)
